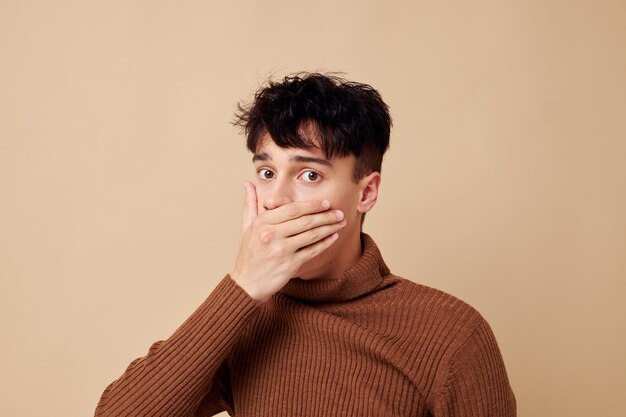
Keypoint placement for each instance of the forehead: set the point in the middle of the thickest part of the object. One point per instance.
(267, 145)
(267, 150)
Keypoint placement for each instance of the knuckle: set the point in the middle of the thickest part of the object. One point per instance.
(314, 234)
(291, 265)
(256, 224)
(306, 222)
(313, 251)
(278, 251)
(266, 236)
(292, 211)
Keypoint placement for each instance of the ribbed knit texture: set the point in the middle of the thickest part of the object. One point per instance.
(369, 343)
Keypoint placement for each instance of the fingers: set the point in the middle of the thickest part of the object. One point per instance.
(312, 236)
(309, 252)
(294, 210)
(307, 222)
(250, 208)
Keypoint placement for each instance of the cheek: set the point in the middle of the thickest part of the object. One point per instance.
(339, 197)
(297, 193)
(343, 200)
(308, 192)
(329, 192)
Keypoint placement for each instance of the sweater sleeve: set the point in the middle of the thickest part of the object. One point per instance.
(186, 374)
(476, 383)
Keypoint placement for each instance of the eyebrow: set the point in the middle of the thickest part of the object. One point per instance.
(296, 158)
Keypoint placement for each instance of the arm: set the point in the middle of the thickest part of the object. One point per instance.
(476, 383)
(175, 375)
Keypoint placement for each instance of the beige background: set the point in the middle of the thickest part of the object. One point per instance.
(120, 176)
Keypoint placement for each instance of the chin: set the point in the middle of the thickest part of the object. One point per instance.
(317, 267)
(325, 264)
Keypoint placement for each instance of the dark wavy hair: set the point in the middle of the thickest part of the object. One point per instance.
(348, 117)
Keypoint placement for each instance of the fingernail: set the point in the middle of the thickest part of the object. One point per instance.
(325, 204)
(339, 214)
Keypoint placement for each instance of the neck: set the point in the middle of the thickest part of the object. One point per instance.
(347, 250)
(345, 279)
(351, 251)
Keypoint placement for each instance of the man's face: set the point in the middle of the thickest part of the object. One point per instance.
(284, 175)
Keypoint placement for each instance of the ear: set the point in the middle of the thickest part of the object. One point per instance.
(368, 193)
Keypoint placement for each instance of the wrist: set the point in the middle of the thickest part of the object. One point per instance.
(249, 289)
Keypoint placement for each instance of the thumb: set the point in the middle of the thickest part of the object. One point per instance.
(250, 210)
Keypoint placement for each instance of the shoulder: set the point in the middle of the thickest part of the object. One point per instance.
(423, 302)
(439, 322)
(454, 345)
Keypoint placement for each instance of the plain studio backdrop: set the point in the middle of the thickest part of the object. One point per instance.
(121, 176)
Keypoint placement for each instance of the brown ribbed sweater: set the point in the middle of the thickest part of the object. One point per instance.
(367, 344)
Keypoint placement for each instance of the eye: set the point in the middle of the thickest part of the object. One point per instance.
(311, 176)
(265, 174)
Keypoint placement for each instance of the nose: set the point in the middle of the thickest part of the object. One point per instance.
(280, 193)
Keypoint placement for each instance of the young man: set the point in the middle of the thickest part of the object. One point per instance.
(310, 321)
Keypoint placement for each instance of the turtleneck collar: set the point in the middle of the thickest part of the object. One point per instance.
(360, 278)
